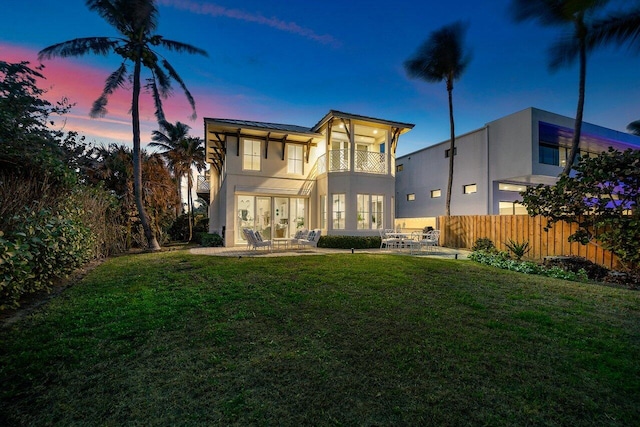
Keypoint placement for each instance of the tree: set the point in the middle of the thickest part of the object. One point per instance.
(602, 199)
(136, 22)
(442, 57)
(575, 14)
(182, 154)
(169, 138)
(621, 27)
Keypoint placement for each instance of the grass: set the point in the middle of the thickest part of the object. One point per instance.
(176, 339)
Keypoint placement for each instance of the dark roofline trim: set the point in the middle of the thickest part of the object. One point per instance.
(343, 115)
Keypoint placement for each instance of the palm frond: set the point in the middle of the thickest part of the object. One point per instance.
(80, 47)
(114, 81)
(157, 99)
(564, 52)
(634, 127)
(172, 72)
(177, 46)
(619, 27)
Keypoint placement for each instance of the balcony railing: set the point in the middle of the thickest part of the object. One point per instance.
(366, 161)
(202, 184)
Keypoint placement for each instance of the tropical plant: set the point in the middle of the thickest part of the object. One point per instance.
(518, 249)
(602, 199)
(136, 22)
(169, 138)
(442, 57)
(634, 127)
(182, 154)
(578, 16)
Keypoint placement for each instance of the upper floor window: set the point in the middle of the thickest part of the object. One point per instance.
(470, 189)
(447, 152)
(251, 155)
(411, 197)
(294, 159)
(400, 167)
(436, 193)
(503, 186)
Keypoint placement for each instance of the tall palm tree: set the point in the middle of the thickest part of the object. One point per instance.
(621, 27)
(575, 15)
(169, 138)
(194, 155)
(136, 22)
(442, 57)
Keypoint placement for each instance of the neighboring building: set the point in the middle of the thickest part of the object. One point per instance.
(493, 164)
(338, 175)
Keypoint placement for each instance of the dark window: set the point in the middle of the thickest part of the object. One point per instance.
(448, 151)
(400, 167)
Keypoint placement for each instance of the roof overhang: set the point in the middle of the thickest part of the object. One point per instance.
(335, 114)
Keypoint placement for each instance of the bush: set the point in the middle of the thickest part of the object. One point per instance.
(518, 249)
(179, 230)
(349, 242)
(483, 244)
(41, 247)
(501, 259)
(210, 240)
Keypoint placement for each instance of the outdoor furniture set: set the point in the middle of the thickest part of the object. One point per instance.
(302, 238)
(415, 241)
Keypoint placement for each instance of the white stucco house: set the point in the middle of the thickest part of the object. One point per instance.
(338, 176)
(493, 164)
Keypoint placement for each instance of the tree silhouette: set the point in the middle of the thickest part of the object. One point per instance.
(136, 22)
(575, 15)
(442, 57)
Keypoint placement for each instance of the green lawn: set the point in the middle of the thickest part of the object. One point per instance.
(176, 339)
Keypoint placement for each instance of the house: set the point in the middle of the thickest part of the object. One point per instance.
(338, 176)
(493, 164)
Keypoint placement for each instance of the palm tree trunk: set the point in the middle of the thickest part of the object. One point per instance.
(152, 243)
(575, 143)
(190, 203)
(451, 147)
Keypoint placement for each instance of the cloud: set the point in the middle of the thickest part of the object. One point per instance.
(273, 22)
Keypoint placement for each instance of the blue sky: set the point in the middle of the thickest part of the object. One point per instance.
(292, 61)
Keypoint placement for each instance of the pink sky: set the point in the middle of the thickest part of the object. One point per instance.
(82, 84)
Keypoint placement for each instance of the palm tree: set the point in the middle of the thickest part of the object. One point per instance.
(170, 141)
(621, 27)
(194, 155)
(136, 22)
(574, 14)
(442, 57)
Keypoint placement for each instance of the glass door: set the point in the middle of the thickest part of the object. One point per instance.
(263, 216)
(281, 223)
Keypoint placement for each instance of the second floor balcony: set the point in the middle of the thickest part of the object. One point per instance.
(365, 162)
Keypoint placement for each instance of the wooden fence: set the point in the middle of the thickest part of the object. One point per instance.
(462, 232)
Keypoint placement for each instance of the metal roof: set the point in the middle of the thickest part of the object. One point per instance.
(262, 126)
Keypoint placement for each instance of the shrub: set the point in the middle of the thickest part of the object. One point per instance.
(518, 249)
(210, 240)
(348, 242)
(483, 244)
(41, 247)
(179, 230)
(501, 259)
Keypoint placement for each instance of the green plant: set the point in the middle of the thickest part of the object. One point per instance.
(518, 249)
(349, 242)
(483, 244)
(210, 240)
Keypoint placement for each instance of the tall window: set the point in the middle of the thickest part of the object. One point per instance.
(323, 212)
(363, 211)
(294, 159)
(377, 212)
(251, 155)
(338, 209)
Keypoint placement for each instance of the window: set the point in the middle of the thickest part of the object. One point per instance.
(338, 211)
(294, 159)
(470, 189)
(377, 212)
(503, 186)
(436, 193)
(323, 212)
(447, 152)
(363, 211)
(400, 168)
(411, 197)
(251, 155)
(512, 208)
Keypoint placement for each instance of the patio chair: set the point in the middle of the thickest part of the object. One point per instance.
(312, 238)
(386, 241)
(429, 240)
(255, 240)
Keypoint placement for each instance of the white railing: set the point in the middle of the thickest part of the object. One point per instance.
(371, 162)
(338, 160)
(202, 184)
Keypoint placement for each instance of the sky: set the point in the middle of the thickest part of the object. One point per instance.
(292, 61)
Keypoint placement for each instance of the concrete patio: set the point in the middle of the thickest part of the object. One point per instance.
(242, 251)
